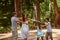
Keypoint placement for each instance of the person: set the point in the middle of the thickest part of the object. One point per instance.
(49, 29)
(39, 34)
(14, 21)
(25, 28)
(39, 31)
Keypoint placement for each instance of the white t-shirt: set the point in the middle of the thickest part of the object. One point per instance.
(48, 26)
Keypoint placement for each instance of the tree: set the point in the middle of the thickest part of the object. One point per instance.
(6, 9)
(18, 7)
(57, 14)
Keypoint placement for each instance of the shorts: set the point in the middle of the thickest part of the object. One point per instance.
(14, 35)
(49, 34)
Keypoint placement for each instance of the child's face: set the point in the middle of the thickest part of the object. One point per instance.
(46, 20)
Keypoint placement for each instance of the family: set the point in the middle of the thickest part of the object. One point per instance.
(25, 28)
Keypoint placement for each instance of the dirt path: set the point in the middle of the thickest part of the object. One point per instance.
(33, 36)
(56, 35)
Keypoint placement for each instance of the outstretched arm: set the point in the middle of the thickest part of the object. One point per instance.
(34, 20)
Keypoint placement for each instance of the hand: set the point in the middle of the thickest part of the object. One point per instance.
(33, 26)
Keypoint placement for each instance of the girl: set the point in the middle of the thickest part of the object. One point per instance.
(39, 31)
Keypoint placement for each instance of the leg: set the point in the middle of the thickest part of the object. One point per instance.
(38, 38)
(25, 38)
(47, 34)
(46, 38)
(51, 36)
(42, 38)
(14, 35)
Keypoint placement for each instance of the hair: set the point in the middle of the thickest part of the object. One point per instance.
(23, 17)
(47, 19)
(26, 16)
(13, 13)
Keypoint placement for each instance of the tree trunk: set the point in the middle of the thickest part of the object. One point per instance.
(57, 14)
(38, 11)
(18, 7)
(35, 13)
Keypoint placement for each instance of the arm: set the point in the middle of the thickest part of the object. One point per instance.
(18, 21)
(34, 20)
(46, 24)
(33, 26)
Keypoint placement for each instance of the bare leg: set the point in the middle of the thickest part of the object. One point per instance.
(25, 39)
(47, 34)
(51, 38)
(37, 38)
(42, 38)
(46, 38)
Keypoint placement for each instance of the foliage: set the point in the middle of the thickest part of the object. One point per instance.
(6, 7)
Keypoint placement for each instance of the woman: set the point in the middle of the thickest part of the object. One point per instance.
(25, 28)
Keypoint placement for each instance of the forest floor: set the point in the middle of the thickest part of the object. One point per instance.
(32, 35)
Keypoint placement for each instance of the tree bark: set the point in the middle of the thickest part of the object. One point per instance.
(38, 11)
(57, 14)
(18, 7)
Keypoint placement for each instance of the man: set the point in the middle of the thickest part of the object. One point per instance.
(14, 21)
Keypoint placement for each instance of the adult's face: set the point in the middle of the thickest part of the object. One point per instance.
(15, 15)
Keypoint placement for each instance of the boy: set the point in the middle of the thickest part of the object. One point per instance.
(14, 21)
(49, 30)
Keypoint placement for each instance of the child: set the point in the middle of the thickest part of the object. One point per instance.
(39, 32)
(49, 30)
(25, 28)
